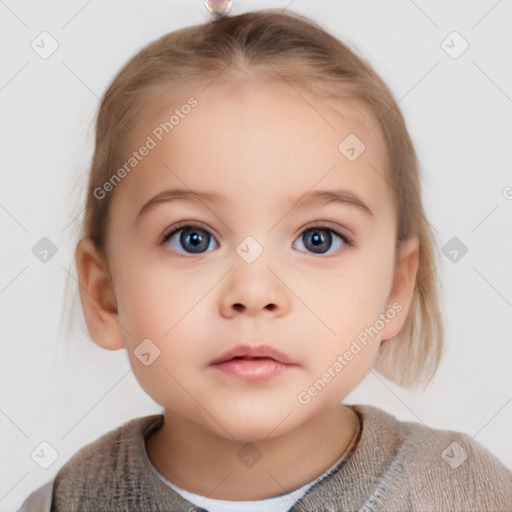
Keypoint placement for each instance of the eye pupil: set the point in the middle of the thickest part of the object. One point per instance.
(196, 240)
(319, 238)
(193, 236)
(316, 239)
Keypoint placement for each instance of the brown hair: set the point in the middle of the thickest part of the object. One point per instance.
(301, 52)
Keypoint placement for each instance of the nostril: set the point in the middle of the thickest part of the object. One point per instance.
(240, 307)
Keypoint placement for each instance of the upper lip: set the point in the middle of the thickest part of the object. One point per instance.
(251, 351)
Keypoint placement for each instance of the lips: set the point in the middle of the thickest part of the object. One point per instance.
(253, 364)
(250, 352)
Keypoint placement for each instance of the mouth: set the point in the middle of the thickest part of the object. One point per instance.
(247, 352)
(253, 363)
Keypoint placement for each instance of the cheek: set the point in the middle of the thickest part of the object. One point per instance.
(351, 296)
(159, 334)
(160, 312)
(349, 300)
(153, 300)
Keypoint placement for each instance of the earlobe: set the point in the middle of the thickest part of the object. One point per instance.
(97, 296)
(404, 282)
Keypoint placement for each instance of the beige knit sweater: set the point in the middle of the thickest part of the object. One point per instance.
(396, 467)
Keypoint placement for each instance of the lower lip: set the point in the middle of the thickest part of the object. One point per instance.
(257, 369)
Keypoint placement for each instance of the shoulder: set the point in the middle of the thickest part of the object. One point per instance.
(98, 467)
(437, 465)
(121, 442)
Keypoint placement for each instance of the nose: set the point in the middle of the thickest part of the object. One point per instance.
(254, 289)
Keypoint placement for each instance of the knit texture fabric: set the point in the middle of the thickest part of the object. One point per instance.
(396, 467)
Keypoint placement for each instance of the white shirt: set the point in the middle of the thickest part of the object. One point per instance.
(281, 503)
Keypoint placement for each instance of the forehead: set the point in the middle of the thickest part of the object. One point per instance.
(256, 139)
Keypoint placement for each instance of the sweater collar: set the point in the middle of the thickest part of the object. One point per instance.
(359, 472)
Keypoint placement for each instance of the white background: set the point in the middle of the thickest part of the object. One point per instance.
(60, 388)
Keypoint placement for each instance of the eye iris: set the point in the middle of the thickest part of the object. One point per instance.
(321, 243)
(193, 236)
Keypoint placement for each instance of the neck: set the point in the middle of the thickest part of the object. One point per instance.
(207, 464)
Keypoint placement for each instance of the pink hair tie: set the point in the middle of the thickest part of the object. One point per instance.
(219, 8)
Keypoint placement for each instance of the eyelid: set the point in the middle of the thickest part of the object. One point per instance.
(324, 224)
(182, 224)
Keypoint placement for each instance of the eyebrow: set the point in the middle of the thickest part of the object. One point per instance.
(344, 197)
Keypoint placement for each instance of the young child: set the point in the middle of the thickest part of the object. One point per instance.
(255, 238)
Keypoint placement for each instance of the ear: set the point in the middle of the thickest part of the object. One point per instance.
(97, 296)
(404, 282)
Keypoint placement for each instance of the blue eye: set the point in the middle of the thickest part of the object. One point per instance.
(320, 239)
(193, 239)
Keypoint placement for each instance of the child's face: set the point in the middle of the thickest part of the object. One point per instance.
(247, 273)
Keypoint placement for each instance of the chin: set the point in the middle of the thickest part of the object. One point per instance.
(253, 427)
(253, 433)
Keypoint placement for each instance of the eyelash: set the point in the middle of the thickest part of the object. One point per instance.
(190, 223)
